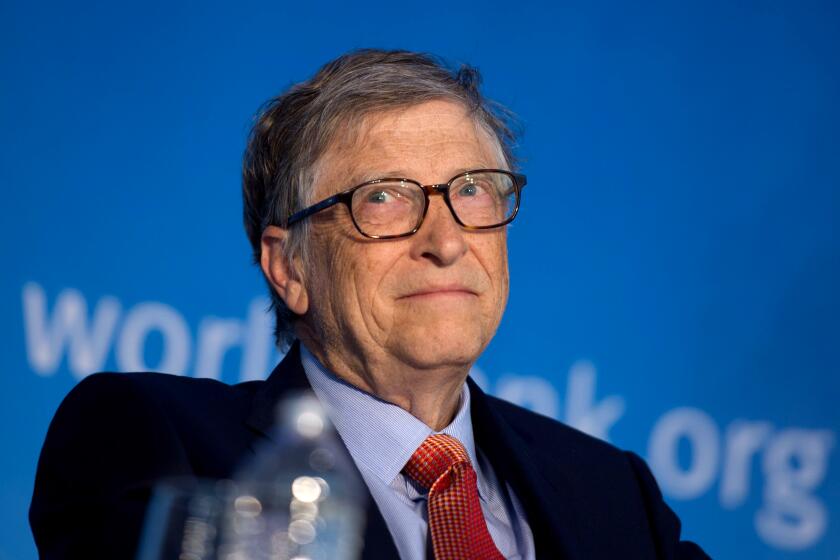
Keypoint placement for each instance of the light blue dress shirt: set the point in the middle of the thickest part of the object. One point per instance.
(381, 437)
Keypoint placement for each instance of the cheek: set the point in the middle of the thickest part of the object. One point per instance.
(492, 253)
(493, 257)
(376, 275)
(369, 279)
(331, 274)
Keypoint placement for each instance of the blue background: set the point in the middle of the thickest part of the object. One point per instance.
(674, 268)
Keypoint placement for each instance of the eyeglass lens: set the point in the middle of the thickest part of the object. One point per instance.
(387, 208)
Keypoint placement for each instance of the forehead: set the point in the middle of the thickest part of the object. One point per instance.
(429, 142)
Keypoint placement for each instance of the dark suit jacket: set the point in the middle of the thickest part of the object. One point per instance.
(115, 435)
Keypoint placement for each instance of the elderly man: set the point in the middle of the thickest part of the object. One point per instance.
(376, 199)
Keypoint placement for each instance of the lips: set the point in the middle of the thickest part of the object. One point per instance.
(440, 290)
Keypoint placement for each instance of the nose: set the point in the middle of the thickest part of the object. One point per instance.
(440, 238)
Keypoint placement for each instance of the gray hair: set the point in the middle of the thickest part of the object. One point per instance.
(293, 130)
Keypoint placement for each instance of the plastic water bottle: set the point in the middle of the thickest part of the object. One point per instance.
(301, 498)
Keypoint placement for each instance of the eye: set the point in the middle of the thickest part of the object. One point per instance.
(380, 197)
(473, 189)
(469, 189)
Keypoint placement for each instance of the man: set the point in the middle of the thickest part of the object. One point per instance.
(376, 199)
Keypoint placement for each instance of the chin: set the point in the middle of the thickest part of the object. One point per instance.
(429, 348)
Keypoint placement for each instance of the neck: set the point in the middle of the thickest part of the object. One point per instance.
(431, 395)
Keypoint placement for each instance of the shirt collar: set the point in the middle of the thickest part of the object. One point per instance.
(380, 436)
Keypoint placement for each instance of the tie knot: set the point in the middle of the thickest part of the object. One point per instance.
(434, 457)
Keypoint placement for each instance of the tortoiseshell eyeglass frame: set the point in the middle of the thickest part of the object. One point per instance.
(518, 180)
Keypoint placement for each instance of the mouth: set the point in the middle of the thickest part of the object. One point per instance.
(440, 292)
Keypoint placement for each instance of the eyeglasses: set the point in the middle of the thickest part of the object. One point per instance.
(395, 207)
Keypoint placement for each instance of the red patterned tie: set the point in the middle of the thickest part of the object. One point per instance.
(459, 532)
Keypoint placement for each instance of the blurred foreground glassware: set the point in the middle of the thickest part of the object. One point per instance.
(300, 498)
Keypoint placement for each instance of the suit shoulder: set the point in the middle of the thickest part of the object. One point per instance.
(538, 429)
(108, 405)
(611, 480)
(161, 381)
(165, 389)
(108, 409)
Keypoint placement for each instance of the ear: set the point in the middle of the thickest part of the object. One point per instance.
(284, 275)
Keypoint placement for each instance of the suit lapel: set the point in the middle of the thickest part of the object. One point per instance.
(286, 378)
(289, 377)
(546, 496)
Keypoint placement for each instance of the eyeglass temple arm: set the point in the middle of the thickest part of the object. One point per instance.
(306, 212)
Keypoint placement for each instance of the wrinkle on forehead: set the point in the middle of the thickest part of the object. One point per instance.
(360, 150)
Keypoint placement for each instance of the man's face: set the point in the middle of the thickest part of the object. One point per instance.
(433, 299)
